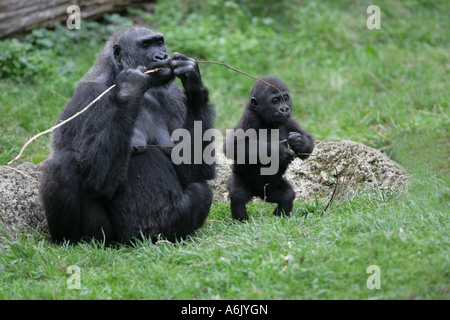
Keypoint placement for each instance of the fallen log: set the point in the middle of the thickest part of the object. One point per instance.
(17, 17)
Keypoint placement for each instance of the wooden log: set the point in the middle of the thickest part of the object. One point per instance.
(18, 17)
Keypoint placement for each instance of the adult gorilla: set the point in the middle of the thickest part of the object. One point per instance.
(99, 181)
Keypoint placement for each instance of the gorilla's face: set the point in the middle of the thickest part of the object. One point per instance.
(278, 104)
(143, 47)
(273, 104)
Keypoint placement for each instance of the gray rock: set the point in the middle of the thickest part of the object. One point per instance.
(20, 210)
(358, 167)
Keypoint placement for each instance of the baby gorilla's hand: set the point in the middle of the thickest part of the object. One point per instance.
(296, 142)
(286, 155)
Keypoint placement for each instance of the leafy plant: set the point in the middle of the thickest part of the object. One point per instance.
(20, 60)
(44, 52)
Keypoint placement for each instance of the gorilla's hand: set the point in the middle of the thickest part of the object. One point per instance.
(131, 83)
(286, 155)
(296, 142)
(187, 70)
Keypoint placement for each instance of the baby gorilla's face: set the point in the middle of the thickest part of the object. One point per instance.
(277, 108)
(271, 100)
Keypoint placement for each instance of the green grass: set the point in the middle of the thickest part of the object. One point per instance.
(302, 257)
(386, 88)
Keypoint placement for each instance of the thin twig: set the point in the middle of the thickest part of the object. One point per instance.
(111, 87)
(264, 200)
(59, 125)
(333, 195)
(245, 74)
(21, 172)
(326, 160)
(153, 145)
(68, 119)
(241, 72)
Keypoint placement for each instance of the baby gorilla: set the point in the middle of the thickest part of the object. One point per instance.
(269, 107)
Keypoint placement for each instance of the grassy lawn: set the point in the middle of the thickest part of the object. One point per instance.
(386, 88)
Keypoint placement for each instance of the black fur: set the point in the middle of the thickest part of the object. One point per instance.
(267, 109)
(99, 182)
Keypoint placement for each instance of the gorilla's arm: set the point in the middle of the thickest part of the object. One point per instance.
(100, 138)
(198, 109)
